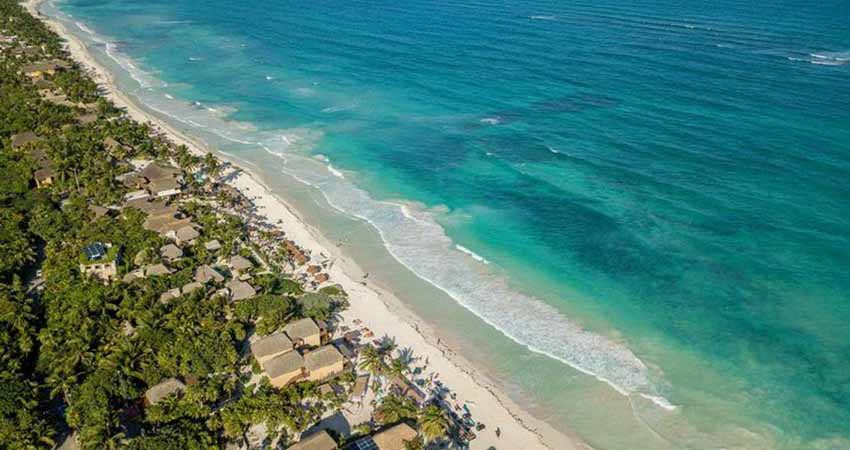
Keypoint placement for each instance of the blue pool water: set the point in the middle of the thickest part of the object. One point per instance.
(654, 193)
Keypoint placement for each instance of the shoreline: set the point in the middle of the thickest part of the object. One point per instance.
(377, 307)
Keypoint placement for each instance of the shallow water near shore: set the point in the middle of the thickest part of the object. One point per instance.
(672, 180)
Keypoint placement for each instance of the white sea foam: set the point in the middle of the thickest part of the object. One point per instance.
(269, 78)
(417, 241)
(491, 120)
(195, 58)
(472, 254)
(169, 96)
(554, 150)
(83, 27)
(541, 17)
(335, 172)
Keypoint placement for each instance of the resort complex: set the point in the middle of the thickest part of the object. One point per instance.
(147, 304)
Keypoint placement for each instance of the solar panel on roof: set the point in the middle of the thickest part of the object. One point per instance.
(95, 251)
(366, 444)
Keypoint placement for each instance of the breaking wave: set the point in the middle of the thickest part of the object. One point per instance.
(417, 241)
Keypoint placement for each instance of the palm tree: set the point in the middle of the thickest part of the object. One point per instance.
(394, 409)
(372, 360)
(398, 367)
(433, 422)
(212, 166)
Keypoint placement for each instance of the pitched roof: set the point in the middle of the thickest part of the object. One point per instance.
(393, 438)
(190, 287)
(171, 251)
(206, 274)
(282, 364)
(318, 441)
(270, 345)
(157, 269)
(163, 184)
(164, 389)
(301, 329)
(240, 290)
(155, 171)
(170, 294)
(187, 233)
(322, 357)
(239, 262)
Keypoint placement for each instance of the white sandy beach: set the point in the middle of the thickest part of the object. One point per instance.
(378, 309)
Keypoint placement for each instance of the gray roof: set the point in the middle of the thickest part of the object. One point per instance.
(239, 262)
(138, 273)
(322, 357)
(286, 363)
(318, 441)
(157, 269)
(164, 389)
(170, 294)
(270, 345)
(206, 274)
(301, 329)
(187, 233)
(171, 251)
(21, 139)
(240, 290)
(190, 287)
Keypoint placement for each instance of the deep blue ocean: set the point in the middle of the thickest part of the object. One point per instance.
(656, 193)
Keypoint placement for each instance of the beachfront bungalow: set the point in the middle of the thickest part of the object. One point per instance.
(156, 171)
(99, 260)
(240, 290)
(171, 252)
(323, 363)
(393, 438)
(267, 347)
(284, 369)
(403, 387)
(206, 274)
(164, 187)
(162, 390)
(318, 441)
(304, 333)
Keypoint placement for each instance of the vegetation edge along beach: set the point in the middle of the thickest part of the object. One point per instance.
(155, 297)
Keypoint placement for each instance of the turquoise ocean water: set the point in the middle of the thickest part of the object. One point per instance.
(642, 205)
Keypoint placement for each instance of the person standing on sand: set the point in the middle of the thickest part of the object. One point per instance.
(498, 432)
